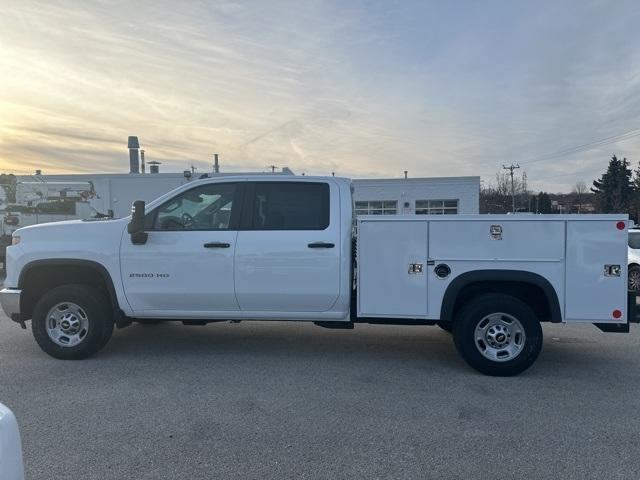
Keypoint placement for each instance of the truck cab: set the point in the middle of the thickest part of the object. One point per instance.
(243, 249)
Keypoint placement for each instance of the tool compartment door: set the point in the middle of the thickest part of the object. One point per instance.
(392, 268)
(593, 294)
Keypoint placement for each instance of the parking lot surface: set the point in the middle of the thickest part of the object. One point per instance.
(286, 400)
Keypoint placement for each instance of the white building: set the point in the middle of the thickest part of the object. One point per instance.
(117, 191)
(444, 195)
(434, 196)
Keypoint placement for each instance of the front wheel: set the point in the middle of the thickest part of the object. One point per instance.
(498, 335)
(71, 322)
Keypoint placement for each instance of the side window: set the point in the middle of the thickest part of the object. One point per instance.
(290, 206)
(207, 207)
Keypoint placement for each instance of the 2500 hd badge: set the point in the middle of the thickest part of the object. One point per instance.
(148, 275)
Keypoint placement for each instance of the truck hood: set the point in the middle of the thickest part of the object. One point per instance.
(95, 241)
(72, 230)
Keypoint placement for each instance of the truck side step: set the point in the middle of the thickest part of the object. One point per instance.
(335, 325)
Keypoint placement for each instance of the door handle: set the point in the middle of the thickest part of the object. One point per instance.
(321, 245)
(216, 245)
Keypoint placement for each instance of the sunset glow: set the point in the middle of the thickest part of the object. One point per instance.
(321, 87)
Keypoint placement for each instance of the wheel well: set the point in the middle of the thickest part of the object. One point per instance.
(533, 295)
(38, 279)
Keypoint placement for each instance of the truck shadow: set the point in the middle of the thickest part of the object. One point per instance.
(412, 348)
(257, 341)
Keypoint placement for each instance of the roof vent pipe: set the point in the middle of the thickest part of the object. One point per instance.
(133, 145)
(154, 167)
(216, 165)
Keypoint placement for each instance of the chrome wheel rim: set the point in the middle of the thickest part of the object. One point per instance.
(500, 337)
(634, 280)
(67, 324)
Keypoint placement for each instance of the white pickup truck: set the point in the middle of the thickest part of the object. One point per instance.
(259, 248)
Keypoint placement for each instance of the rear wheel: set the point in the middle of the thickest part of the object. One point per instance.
(498, 335)
(72, 321)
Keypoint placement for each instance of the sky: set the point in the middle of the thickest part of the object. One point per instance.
(362, 89)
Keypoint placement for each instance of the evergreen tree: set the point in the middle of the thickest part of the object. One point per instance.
(543, 203)
(614, 190)
(634, 210)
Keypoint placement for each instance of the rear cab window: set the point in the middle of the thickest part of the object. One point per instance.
(289, 206)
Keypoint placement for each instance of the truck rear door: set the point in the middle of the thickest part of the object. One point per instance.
(288, 249)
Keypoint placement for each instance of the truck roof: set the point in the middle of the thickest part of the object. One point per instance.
(251, 178)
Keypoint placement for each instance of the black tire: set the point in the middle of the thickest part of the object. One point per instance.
(633, 281)
(475, 312)
(446, 326)
(99, 317)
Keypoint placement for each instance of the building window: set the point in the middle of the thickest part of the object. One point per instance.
(436, 207)
(377, 207)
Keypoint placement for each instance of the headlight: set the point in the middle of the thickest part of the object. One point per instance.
(15, 240)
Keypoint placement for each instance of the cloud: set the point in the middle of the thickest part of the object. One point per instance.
(428, 87)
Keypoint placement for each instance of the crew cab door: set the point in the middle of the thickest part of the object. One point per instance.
(288, 251)
(186, 266)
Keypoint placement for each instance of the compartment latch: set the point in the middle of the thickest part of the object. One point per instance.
(612, 270)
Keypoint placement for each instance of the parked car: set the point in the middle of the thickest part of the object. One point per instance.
(255, 248)
(10, 446)
(634, 260)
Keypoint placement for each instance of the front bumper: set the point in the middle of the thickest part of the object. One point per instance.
(10, 301)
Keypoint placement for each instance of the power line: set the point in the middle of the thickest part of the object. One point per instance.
(582, 171)
(586, 146)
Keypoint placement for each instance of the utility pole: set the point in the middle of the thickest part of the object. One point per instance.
(524, 189)
(511, 168)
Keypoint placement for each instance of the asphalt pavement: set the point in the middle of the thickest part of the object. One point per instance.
(287, 400)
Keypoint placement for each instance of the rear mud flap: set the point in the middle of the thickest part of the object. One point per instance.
(632, 308)
(613, 327)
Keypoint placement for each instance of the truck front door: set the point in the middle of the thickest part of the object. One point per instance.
(186, 266)
(288, 251)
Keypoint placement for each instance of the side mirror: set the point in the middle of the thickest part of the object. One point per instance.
(136, 225)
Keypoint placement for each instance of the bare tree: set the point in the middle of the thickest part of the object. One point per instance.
(580, 189)
(495, 197)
